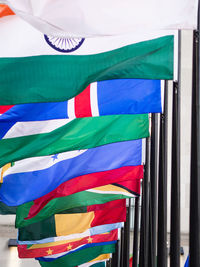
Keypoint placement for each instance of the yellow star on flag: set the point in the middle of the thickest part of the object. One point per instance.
(89, 240)
(69, 247)
(49, 251)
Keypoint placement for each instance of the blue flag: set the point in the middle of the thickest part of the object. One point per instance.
(32, 178)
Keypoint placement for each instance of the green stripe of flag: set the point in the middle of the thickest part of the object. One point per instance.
(51, 78)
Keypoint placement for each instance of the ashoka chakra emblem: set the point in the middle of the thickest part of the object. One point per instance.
(65, 45)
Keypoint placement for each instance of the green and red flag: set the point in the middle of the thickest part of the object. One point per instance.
(36, 211)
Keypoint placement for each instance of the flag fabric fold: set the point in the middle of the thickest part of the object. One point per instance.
(89, 18)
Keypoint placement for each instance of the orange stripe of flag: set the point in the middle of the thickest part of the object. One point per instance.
(5, 11)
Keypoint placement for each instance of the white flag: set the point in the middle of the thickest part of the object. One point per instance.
(88, 18)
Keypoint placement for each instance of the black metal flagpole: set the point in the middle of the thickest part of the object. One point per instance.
(122, 247)
(175, 185)
(127, 236)
(145, 210)
(119, 248)
(141, 250)
(194, 243)
(150, 229)
(115, 256)
(136, 229)
(162, 186)
(153, 191)
(146, 201)
(175, 174)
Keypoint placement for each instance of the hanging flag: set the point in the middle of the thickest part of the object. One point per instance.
(81, 256)
(38, 176)
(89, 232)
(32, 139)
(131, 96)
(84, 201)
(68, 224)
(103, 18)
(5, 11)
(67, 67)
(42, 250)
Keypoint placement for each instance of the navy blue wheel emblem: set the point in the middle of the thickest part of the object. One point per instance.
(64, 45)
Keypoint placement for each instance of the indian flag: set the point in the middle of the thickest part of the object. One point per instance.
(39, 68)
